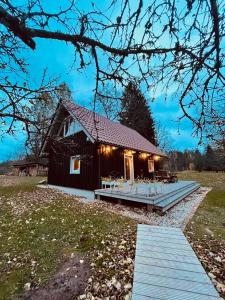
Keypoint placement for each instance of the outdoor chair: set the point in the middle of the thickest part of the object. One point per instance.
(166, 176)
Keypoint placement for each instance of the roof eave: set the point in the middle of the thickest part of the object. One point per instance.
(161, 154)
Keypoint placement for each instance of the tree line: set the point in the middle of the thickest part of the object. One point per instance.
(211, 159)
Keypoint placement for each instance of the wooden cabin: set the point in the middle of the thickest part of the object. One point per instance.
(83, 147)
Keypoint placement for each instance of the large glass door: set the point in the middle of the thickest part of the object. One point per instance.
(128, 167)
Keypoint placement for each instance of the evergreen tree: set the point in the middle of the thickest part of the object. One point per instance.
(221, 154)
(210, 159)
(198, 161)
(135, 112)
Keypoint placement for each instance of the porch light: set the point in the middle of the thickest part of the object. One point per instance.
(102, 149)
(144, 155)
(129, 152)
(107, 148)
(156, 157)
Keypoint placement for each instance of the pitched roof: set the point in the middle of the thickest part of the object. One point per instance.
(110, 132)
(21, 163)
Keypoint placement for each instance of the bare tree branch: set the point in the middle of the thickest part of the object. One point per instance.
(161, 43)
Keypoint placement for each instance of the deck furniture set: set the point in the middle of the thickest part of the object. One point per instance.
(145, 187)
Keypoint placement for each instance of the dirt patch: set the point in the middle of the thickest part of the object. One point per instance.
(69, 282)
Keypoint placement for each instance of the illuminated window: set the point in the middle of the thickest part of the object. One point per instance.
(151, 166)
(75, 165)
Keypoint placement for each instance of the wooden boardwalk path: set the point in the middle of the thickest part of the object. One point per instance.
(166, 267)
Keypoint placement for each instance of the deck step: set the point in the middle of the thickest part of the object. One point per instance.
(169, 202)
(162, 197)
(169, 199)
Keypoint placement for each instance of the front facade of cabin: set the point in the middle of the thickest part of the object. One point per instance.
(86, 165)
(78, 161)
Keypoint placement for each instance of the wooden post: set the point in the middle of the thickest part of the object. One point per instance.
(161, 213)
(97, 197)
(119, 201)
(150, 207)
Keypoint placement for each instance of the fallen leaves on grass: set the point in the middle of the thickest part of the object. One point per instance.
(112, 268)
(30, 201)
(41, 228)
(211, 253)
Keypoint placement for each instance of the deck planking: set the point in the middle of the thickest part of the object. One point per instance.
(167, 197)
(167, 268)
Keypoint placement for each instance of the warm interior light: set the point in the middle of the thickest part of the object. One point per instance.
(156, 157)
(144, 155)
(102, 148)
(129, 152)
(107, 148)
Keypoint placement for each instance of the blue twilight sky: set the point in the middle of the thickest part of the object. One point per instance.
(58, 57)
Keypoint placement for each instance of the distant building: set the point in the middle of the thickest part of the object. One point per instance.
(191, 166)
(30, 168)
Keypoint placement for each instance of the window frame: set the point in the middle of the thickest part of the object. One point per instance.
(66, 126)
(129, 156)
(72, 171)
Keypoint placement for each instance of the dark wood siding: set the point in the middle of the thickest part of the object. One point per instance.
(59, 165)
(140, 166)
(94, 164)
(112, 164)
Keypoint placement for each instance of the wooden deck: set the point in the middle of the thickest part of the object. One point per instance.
(161, 198)
(166, 267)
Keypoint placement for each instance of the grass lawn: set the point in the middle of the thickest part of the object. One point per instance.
(210, 216)
(206, 230)
(40, 228)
